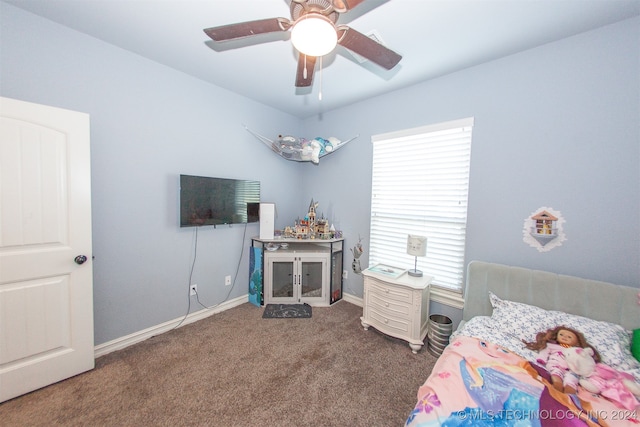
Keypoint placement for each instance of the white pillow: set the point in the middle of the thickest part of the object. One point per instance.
(612, 341)
(609, 339)
(522, 320)
(483, 328)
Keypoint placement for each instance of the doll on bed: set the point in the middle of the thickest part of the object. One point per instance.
(550, 346)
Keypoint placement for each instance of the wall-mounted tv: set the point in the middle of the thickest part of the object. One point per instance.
(213, 201)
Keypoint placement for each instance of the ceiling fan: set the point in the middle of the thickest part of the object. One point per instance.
(314, 33)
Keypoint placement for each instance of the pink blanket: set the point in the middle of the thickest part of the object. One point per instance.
(476, 383)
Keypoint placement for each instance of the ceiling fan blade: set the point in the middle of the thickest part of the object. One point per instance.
(367, 47)
(306, 67)
(342, 6)
(247, 29)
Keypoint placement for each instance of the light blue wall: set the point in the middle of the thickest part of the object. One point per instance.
(149, 124)
(577, 101)
(557, 126)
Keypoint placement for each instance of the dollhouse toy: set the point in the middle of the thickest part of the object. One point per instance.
(543, 229)
(544, 223)
(302, 229)
(322, 228)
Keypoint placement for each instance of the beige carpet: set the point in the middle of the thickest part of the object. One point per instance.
(237, 369)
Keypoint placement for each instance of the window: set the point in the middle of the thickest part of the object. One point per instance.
(420, 183)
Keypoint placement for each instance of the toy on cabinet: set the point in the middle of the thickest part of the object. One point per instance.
(311, 227)
(357, 251)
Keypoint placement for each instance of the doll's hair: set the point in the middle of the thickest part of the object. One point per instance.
(551, 335)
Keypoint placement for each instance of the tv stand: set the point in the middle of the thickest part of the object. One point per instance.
(301, 271)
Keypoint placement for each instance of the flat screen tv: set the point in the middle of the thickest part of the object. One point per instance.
(213, 201)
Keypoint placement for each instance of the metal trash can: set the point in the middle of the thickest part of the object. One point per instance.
(440, 328)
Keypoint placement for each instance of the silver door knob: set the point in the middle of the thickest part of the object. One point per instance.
(80, 259)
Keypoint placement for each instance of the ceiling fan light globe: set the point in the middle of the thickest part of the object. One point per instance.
(314, 35)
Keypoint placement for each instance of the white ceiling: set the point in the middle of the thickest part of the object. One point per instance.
(434, 38)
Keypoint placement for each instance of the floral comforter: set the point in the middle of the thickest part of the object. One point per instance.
(476, 383)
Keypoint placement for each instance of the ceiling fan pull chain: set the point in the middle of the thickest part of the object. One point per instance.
(320, 91)
(304, 72)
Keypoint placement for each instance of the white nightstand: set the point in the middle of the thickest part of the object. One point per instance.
(398, 307)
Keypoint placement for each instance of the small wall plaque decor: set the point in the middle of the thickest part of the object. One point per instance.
(543, 229)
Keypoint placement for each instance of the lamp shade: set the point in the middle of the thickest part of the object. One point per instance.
(314, 35)
(416, 245)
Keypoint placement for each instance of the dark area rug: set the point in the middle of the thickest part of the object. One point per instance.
(285, 311)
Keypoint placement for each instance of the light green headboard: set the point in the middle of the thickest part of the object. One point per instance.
(589, 298)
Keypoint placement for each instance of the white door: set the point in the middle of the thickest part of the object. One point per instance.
(46, 293)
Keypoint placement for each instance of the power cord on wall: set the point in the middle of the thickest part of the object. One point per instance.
(233, 284)
(193, 264)
(195, 256)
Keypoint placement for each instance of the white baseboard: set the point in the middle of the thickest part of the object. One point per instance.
(353, 299)
(136, 337)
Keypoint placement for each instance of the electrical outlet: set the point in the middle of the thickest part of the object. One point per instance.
(193, 290)
(345, 273)
(227, 280)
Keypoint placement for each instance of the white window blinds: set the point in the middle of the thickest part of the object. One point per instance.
(420, 182)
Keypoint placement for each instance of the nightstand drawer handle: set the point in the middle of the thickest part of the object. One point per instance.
(386, 304)
(386, 291)
(386, 320)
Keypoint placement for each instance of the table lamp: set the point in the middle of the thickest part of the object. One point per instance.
(416, 246)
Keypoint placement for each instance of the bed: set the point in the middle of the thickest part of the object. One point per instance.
(486, 376)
